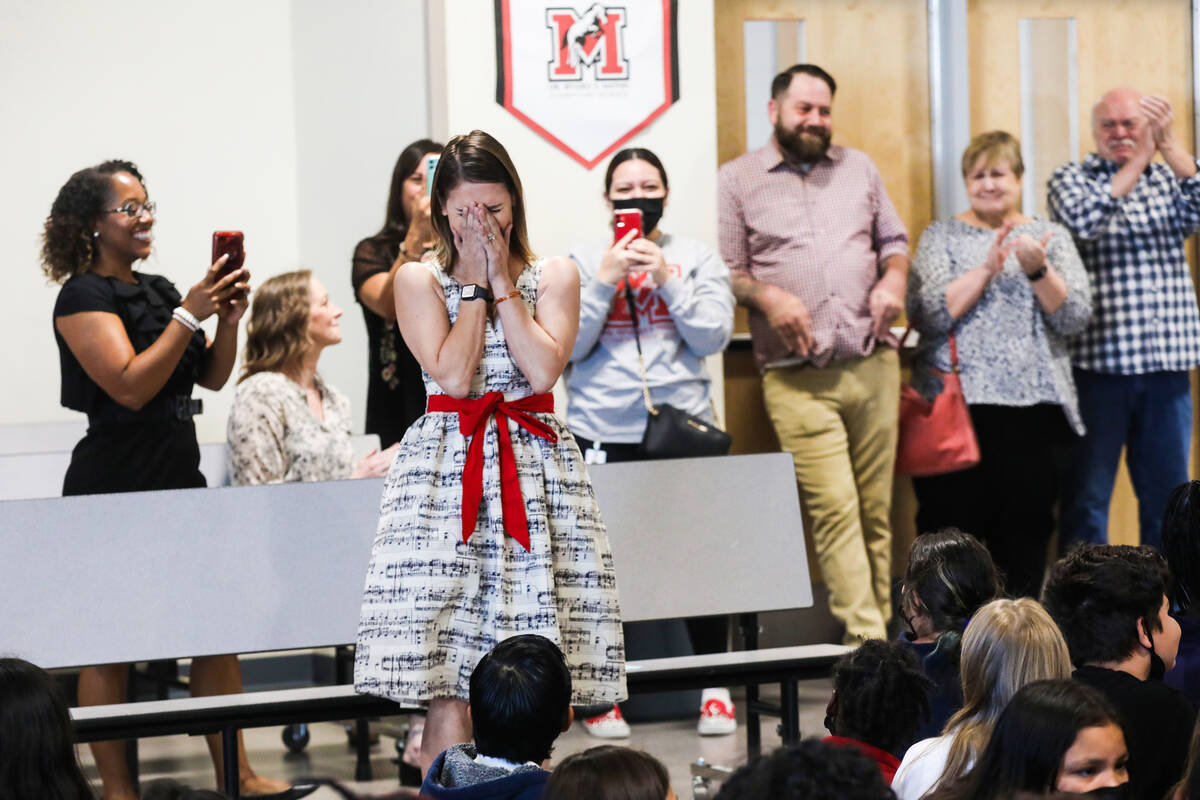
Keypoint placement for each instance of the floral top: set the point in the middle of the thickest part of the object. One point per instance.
(1010, 352)
(274, 437)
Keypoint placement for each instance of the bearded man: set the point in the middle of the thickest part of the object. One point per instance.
(819, 256)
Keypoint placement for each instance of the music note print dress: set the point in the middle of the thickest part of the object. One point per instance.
(434, 605)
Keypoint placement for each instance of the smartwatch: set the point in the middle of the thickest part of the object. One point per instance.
(473, 291)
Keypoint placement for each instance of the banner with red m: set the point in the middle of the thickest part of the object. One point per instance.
(586, 79)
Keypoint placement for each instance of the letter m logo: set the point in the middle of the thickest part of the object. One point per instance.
(594, 39)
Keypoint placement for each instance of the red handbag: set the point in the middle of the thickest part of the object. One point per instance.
(936, 437)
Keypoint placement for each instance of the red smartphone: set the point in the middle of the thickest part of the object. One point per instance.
(231, 242)
(625, 220)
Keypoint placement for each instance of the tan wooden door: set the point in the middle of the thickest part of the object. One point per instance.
(1145, 44)
(877, 51)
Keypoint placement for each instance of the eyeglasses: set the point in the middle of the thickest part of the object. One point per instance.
(134, 208)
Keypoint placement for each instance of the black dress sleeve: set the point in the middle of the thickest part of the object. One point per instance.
(86, 292)
(371, 257)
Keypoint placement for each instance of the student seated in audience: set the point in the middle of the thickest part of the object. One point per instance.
(37, 750)
(287, 424)
(1111, 603)
(1007, 644)
(950, 575)
(1181, 547)
(609, 773)
(880, 697)
(1054, 736)
(520, 701)
(811, 770)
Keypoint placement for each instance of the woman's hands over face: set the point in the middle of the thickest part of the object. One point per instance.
(472, 243)
(495, 245)
(226, 296)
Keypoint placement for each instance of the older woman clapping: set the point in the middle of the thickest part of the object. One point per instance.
(1009, 289)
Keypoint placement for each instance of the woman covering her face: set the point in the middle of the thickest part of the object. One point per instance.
(488, 526)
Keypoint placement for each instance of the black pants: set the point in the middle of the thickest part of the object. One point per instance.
(1007, 500)
(647, 639)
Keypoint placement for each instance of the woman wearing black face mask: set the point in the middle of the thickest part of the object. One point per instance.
(681, 293)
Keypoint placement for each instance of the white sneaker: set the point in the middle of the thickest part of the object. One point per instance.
(716, 713)
(608, 726)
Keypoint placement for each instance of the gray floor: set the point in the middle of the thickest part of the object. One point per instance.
(676, 744)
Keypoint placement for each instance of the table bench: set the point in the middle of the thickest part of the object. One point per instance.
(146, 576)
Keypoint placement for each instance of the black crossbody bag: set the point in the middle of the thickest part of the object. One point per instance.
(671, 432)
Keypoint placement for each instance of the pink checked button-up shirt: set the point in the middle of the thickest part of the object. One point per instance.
(821, 236)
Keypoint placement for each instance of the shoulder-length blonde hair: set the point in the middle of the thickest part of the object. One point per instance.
(1007, 644)
(277, 332)
(475, 157)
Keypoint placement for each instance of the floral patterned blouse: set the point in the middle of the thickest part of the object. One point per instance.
(1010, 351)
(274, 437)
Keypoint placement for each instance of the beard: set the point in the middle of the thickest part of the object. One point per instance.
(804, 143)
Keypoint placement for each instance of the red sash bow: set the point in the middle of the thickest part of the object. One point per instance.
(473, 416)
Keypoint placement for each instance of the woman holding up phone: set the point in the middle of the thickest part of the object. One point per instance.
(684, 307)
(131, 349)
(395, 392)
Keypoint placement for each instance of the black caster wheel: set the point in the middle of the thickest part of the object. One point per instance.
(295, 737)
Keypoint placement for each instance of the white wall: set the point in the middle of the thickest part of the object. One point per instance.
(564, 201)
(280, 119)
(361, 96)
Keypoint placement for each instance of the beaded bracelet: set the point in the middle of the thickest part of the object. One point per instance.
(509, 296)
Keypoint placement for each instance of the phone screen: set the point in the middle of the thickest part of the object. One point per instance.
(431, 163)
(233, 243)
(625, 220)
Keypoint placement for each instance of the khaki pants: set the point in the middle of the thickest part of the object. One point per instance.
(839, 423)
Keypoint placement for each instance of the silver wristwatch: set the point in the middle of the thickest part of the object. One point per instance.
(473, 291)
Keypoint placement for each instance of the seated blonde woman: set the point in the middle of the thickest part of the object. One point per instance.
(1007, 644)
(287, 424)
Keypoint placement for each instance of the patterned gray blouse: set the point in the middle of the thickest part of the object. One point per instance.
(1010, 352)
(274, 437)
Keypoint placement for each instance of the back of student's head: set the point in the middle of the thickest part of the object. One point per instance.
(1098, 593)
(1007, 645)
(520, 699)
(37, 751)
(881, 695)
(950, 575)
(608, 773)
(811, 770)
(1034, 732)
(1181, 543)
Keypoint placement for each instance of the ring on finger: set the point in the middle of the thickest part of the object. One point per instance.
(491, 237)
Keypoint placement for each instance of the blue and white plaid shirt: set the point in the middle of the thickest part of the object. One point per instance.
(1145, 317)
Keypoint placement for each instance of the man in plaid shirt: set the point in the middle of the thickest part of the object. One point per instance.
(1130, 218)
(820, 257)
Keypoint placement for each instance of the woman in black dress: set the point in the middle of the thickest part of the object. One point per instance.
(131, 349)
(395, 391)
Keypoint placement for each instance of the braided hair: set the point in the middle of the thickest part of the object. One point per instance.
(882, 695)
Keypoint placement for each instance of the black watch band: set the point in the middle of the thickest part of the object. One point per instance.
(1037, 274)
(473, 291)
